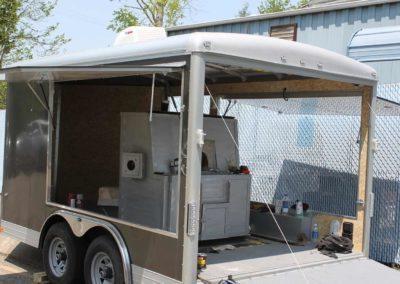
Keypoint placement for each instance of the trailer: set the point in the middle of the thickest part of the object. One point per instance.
(113, 170)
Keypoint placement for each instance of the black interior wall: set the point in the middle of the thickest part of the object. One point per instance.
(89, 135)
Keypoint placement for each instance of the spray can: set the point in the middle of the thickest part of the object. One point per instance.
(79, 200)
(72, 202)
(201, 261)
(71, 199)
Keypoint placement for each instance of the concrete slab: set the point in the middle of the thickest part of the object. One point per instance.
(18, 262)
(355, 271)
(263, 259)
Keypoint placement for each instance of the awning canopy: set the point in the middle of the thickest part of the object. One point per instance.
(75, 73)
(258, 52)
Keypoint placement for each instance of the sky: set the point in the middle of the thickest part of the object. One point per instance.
(85, 21)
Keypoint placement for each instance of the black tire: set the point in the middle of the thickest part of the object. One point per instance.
(103, 246)
(73, 272)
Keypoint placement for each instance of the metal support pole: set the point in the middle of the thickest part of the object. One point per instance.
(193, 168)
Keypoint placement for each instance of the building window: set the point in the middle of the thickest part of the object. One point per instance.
(288, 32)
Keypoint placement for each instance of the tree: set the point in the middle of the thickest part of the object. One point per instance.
(21, 35)
(123, 18)
(24, 33)
(303, 4)
(3, 93)
(273, 6)
(8, 23)
(157, 13)
(244, 11)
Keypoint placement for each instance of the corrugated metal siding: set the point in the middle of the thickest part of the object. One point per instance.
(376, 44)
(332, 30)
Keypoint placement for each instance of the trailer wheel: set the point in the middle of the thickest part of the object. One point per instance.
(62, 255)
(103, 263)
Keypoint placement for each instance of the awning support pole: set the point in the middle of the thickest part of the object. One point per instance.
(193, 169)
(370, 94)
(152, 97)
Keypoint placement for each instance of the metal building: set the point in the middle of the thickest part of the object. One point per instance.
(366, 30)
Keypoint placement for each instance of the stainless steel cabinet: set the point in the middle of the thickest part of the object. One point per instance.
(225, 202)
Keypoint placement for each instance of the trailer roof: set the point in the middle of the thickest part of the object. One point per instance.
(300, 58)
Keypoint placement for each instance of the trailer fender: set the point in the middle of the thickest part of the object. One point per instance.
(80, 224)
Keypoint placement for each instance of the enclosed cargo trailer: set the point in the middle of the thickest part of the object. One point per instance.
(98, 124)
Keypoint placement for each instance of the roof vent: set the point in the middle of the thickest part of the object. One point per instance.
(139, 34)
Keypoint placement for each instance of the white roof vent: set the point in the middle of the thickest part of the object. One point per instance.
(139, 34)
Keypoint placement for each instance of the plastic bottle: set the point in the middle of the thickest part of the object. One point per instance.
(278, 206)
(299, 208)
(314, 233)
(335, 227)
(285, 204)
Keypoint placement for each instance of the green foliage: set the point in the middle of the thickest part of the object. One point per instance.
(24, 33)
(244, 11)
(8, 24)
(158, 13)
(3, 95)
(123, 18)
(303, 4)
(273, 6)
(174, 11)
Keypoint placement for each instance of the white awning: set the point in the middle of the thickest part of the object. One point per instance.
(75, 73)
(258, 52)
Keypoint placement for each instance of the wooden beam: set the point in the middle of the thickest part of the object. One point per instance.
(276, 87)
(358, 222)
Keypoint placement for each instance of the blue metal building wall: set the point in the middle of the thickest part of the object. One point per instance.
(334, 30)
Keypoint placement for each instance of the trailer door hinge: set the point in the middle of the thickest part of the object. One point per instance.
(360, 202)
(371, 205)
(191, 220)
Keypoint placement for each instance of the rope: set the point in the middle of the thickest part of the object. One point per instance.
(269, 208)
(223, 120)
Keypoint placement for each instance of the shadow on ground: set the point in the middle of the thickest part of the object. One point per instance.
(18, 261)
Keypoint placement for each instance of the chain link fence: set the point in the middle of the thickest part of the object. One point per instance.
(385, 227)
(304, 148)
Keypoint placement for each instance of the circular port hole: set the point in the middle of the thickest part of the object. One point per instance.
(131, 165)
